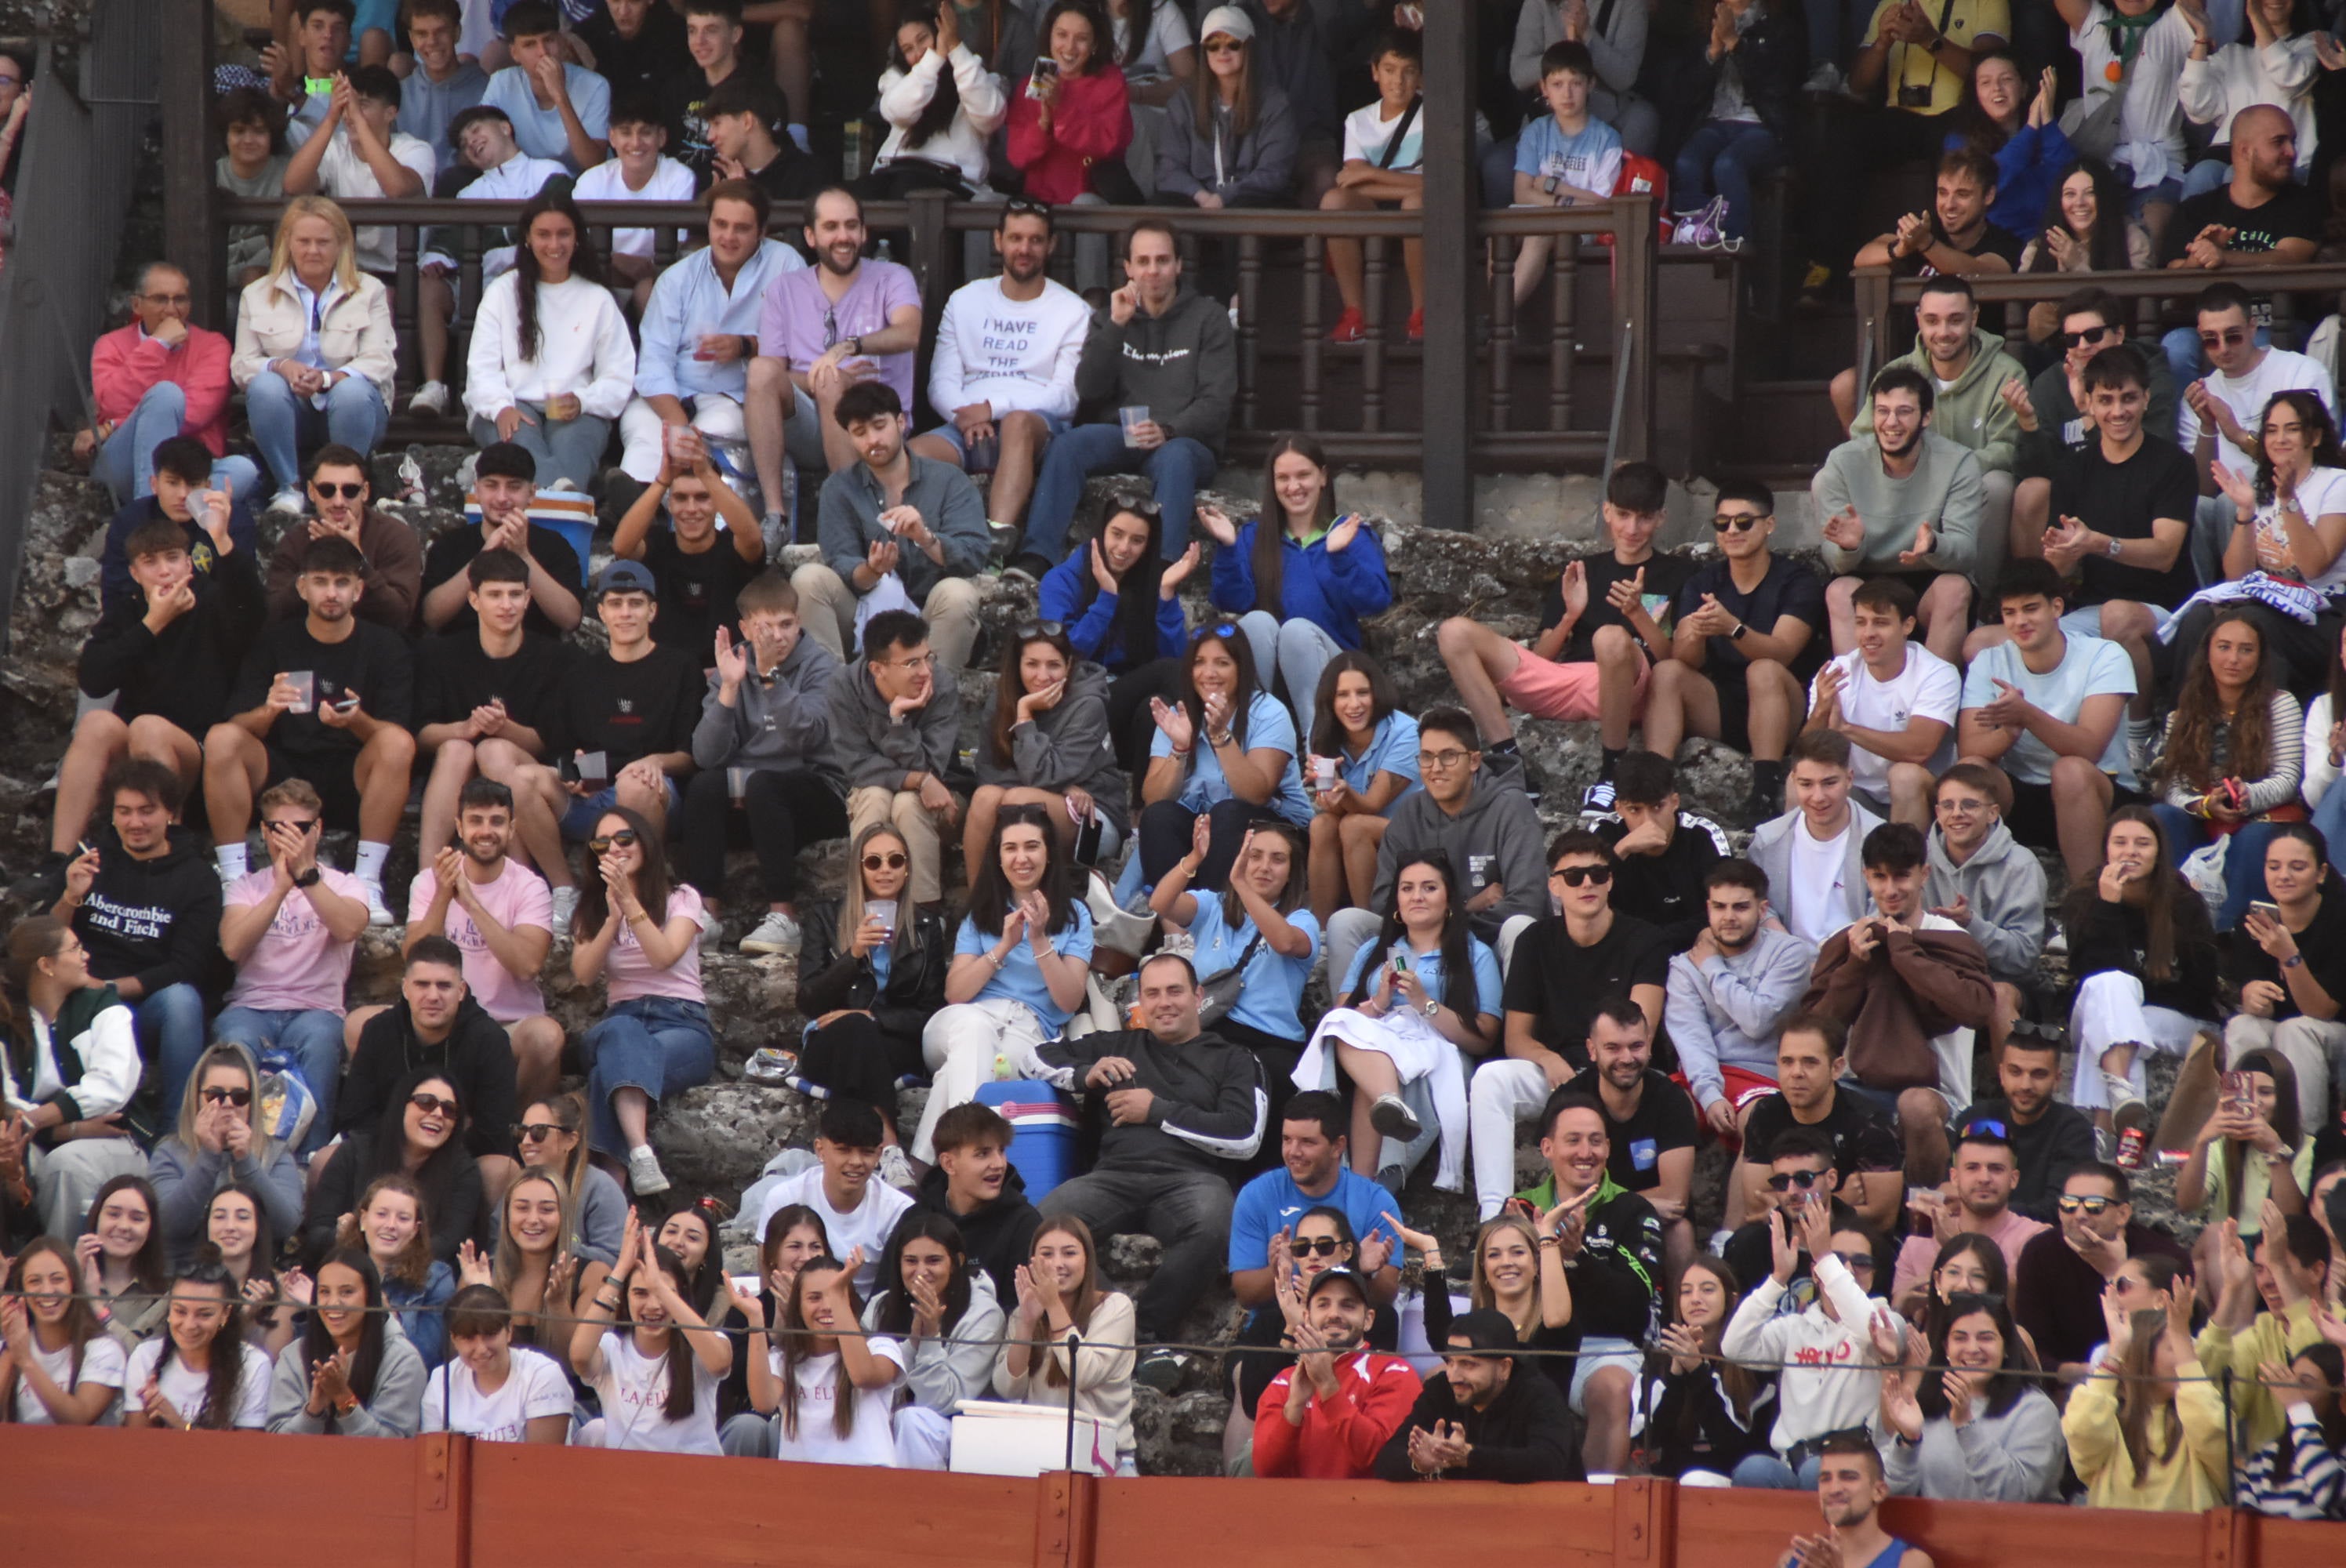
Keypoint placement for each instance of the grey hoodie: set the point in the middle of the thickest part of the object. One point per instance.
(941, 1373)
(1944, 491)
(1183, 365)
(2003, 882)
(1771, 851)
(394, 1409)
(2011, 1458)
(1726, 1012)
(779, 719)
(870, 748)
(1067, 746)
(1497, 829)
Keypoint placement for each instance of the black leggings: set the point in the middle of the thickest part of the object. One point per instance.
(1130, 722)
(1278, 1058)
(1168, 828)
(783, 810)
(859, 1062)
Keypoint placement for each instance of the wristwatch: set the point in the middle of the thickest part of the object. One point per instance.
(855, 344)
(1737, 634)
(309, 879)
(2111, 549)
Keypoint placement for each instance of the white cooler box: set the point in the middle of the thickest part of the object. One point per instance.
(1027, 1440)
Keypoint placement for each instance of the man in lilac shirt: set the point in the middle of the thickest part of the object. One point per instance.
(843, 321)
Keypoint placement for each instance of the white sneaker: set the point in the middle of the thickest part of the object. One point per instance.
(896, 1169)
(566, 904)
(432, 398)
(778, 932)
(712, 935)
(1393, 1119)
(644, 1176)
(378, 911)
(288, 501)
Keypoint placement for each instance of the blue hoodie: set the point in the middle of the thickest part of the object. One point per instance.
(1332, 592)
(1096, 630)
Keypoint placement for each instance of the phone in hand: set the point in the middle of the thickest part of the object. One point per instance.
(1046, 69)
(2239, 1092)
(2272, 911)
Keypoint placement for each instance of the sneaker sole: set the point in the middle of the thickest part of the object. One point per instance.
(1396, 1122)
(767, 949)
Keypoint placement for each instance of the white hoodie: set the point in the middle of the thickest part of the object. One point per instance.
(1814, 1393)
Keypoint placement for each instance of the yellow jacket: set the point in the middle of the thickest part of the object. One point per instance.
(2260, 1416)
(2194, 1480)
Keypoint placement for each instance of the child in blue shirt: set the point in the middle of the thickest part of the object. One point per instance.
(1567, 158)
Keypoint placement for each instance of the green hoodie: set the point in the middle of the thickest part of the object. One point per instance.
(1971, 413)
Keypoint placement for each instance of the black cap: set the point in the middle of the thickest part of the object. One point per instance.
(1337, 1276)
(1486, 1330)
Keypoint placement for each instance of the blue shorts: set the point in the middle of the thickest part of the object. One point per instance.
(578, 822)
(950, 434)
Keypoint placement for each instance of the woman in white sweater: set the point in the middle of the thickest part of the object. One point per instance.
(941, 103)
(2273, 65)
(551, 363)
(1059, 1301)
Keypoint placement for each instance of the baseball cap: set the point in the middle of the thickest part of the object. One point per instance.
(1486, 1330)
(625, 578)
(1229, 21)
(1338, 1276)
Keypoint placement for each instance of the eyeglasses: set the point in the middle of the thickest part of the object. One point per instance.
(1723, 523)
(1039, 629)
(1314, 1246)
(1960, 805)
(2092, 1207)
(537, 1132)
(2231, 339)
(177, 301)
(1443, 760)
(1574, 876)
(227, 1096)
(917, 661)
(2090, 335)
(428, 1104)
(329, 492)
(1856, 1262)
(625, 838)
(894, 862)
(1783, 1181)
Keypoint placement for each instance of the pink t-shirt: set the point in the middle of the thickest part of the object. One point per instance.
(297, 966)
(629, 975)
(518, 897)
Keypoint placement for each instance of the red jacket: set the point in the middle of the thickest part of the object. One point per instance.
(1340, 1438)
(1091, 122)
(126, 362)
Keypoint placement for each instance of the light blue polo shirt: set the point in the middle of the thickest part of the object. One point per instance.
(1271, 997)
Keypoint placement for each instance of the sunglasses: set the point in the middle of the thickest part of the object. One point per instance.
(2093, 1207)
(1224, 629)
(2228, 340)
(430, 1102)
(1782, 1181)
(1737, 525)
(537, 1132)
(1020, 206)
(1225, 46)
(228, 1096)
(1314, 1246)
(625, 838)
(1856, 1262)
(893, 861)
(1026, 629)
(329, 492)
(2090, 335)
(1574, 876)
(297, 825)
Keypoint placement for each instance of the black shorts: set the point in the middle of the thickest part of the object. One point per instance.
(1734, 708)
(333, 775)
(2032, 819)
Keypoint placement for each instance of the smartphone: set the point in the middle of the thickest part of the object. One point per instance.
(2239, 1092)
(347, 705)
(1046, 69)
(2272, 911)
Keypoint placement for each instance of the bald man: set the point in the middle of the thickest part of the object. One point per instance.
(2261, 217)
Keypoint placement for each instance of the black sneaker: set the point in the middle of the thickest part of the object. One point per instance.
(1597, 799)
(1159, 1369)
(44, 883)
(1029, 567)
(1759, 807)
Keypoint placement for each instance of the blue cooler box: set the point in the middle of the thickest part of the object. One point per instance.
(1044, 1150)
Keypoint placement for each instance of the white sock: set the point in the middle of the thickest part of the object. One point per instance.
(371, 859)
(2142, 730)
(231, 859)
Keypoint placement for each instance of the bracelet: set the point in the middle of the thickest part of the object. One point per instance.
(1218, 741)
(1181, 752)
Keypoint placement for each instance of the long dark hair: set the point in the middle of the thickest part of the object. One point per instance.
(585, 262)
(264, 1240)
(1137, 587)
(2162, 888)
(1990, 1261)
(678, 1356)
(1271, 523)
(2188, 756)
(707, 1281)
(318, 1343)
(895, 1308)
(81, 1324)
(1138, 19)
(147, 1273)
(989, 895)
(2105, 247)
(1234, 643)
(29, 941)
(944, 103)
(1103, 54)
(2287, 1125)
(2139, 1396)
(2002, 1389)
(2321, 434)
(1292, 891)
(224, 1378)
(796, 1337)
(1458, 988)
(436, 1180)
(1981, 133)
(1743, 1385)
(652, 883)
(1327, 731)
(2330, 1362)
(1012, 686)
(1206, 93)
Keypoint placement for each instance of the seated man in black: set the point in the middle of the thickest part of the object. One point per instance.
(1663, 852)
(1485, 1418)
(485, 697)
(1867, 1154)
(697, 568)
(2049, 1139)
(504, 481)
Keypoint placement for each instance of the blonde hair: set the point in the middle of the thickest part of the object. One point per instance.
(281, 249)
(506, 1269)
(226, 1053)
(1480, 1292)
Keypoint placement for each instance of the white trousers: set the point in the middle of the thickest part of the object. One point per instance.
(960, 1044)
(713, 414)
(2308, 1045)
(1351, 930)
(2109, 1010)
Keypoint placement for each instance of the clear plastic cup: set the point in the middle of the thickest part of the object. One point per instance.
(1324, 772)
(1136, 414)
(737, 783)
(304, 683)
(595, 768)
(884, 911)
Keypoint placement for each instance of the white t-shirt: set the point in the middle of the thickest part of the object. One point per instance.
(187, 1388)
(343, 175)
(670, 181)
(2321, 493)
(634, 1391)
(2279, 371)
(867, 1226)
(872, 1441)
(1168, 34)
(1366, 131)
(2089, 666)
(1927, 688)
(536, 1386)
(102, 1363)
(1015, 354)
(1820, 901)
(2150, 122)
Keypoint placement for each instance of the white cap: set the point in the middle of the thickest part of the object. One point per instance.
(1229, 21)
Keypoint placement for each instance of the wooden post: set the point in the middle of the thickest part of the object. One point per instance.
(1453, 270)
(184, 88)
(443, 1495)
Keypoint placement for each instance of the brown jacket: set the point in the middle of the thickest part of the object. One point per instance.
(395, 559)
(1913, 986)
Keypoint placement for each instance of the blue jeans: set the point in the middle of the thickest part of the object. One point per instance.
(578, 817)
(125, 463)
(2329, 816)
(2244, 862)
(569, 448)
(656, 1043)
(283, 422)
(1721, 159)
(312, 1037)
(1296, 651)
(1766, 1470)
(2184, 357)
(171, 1037)
(1176, 469)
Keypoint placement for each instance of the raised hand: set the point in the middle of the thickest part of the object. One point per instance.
(1173, 718)
(1218, 523)
(1574, 588)
(1347, 529)
(1925, 542)
(472, 1267)
(1845, 529)
(732, 661)
(1178, 572)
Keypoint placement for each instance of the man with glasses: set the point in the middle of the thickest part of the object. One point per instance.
(895, 715)
(436, 1022)
(2261, 217)
(898, 532)
(1799, 1171)
(1985, 881)
(1744, 645)
(821, 330)
(2048, 1138)
(1565, 967)
(339, 490)
(160, 377)
(1482, 820)
(2050, 411)
(2057, 1287)
(2224, 409)
(1986, 1172)
(1003, 372)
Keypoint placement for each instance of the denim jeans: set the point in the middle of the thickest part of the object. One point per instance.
(2329, 816)
(1766, 1470)
(2244, 861)
(1296, 651)
(569, 448)
(660, 1044)
(1721, 159)
(171, 1039)
(284, 422)
(125, 463)
(1176, 469)
(312, 1037)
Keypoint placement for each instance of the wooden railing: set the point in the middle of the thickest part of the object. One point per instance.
(78, 1495)
(1290, 375)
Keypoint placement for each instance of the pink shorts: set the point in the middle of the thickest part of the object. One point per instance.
(1546, 689)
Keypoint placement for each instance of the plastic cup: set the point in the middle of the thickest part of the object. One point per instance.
(1136, 414)
(884, 911)
(737, 783)
(595, 768)
(304, 683)
(1324, 772)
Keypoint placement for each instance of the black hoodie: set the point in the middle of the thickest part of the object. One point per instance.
(156, 921)
(183, 672)
(999, 1233)
(1524, 1434)
(477, 1056)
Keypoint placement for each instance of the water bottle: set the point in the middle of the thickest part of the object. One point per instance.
(887, 251)
(851, 150)
(410, 475)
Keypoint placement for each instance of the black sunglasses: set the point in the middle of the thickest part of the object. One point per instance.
(1314, 1246)
(624, 839)
(2090, 335)
(429, 1102)
(1738, 524)
(2233, 338)
(1781, 1181)
(893, 861)
(537, 1132)
(232, 1097)
(329, 492)
(1574, 876)
(299, 825)
(2094, 1207)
